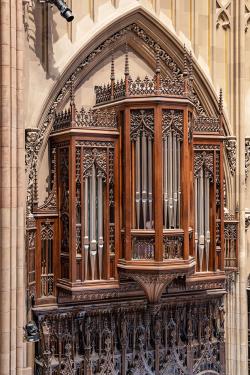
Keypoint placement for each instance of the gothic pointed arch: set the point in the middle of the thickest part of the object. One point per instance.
(145, 35)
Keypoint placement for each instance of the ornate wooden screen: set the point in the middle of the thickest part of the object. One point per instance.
(178, 339)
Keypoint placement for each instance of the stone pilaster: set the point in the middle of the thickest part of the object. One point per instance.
(240, 309)
(12, 197)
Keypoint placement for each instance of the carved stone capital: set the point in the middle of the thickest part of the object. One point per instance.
(230, 147)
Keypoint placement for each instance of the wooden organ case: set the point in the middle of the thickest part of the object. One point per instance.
(132, 244)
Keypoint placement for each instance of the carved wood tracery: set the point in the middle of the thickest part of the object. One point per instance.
(177, 339)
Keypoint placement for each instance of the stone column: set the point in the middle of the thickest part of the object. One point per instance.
(240, 126)
(12, 197)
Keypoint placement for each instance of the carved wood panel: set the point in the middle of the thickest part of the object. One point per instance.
(183, 338)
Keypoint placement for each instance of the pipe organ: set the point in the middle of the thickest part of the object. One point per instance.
(202, 217)
(172, 140)
(94, 185)
(142, 137)
(133, 224)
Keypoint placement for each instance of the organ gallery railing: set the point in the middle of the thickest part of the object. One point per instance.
(179, 339)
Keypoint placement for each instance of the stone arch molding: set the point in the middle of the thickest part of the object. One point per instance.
(144, 34)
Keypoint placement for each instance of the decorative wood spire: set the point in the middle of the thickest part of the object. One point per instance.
(72, 92)
(157, 72)
(35, 189)
(185, 70)
(53, 167)
(221, 110)
(157, 63)
(191, 66)
(72, 101)
(221, 101)
(126, 72)
(112, 75)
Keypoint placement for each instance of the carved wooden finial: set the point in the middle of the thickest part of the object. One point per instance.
(72, 109)
(126, 71)
(190, 65)
(157, 63)
(185, 70)
(221, 101)
(35, 189)
(112, 75)
(72, 92)
(53, 167)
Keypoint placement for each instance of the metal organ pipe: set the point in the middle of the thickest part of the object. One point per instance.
(165, 181)
(179, 181)
(138, 181)
(202, 223)
(207, 232)
(93, 223)
(196, 239)
(144, 180)
(174, 181)
(86, 227)
(100, 226)
(171, 180)
(150, 190)
(201, 218)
